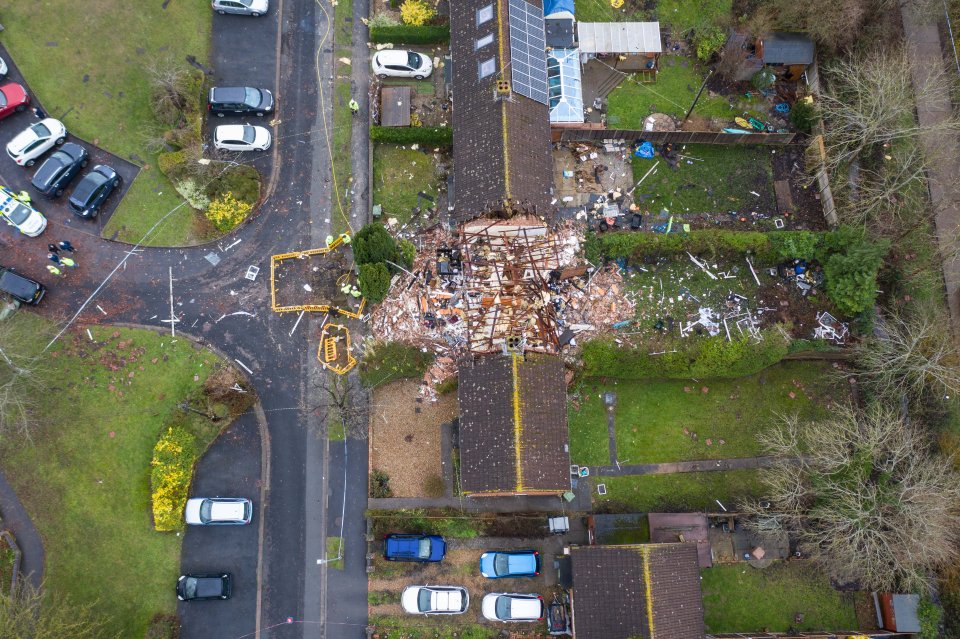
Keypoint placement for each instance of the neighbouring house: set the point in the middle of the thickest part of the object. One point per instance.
(501, 123)
(648, 591)
(513, 425)
(692, 528)
(787, 54)
(897, 613)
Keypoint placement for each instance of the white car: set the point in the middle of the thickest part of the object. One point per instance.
(36, 140)
(396, 63)
(3, 68)
(502, 606)
(435, 600)
(241, 137)
(255, 8)
(23, 217)
(218, 511)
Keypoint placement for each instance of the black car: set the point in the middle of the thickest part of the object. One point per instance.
(239, 101)
(95, 187)
(206, 586)
(20, 288)
(59, 169)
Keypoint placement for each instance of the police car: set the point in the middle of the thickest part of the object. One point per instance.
(24, 217)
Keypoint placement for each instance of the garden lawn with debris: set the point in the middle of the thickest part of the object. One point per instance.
(685, 420)
(85, 477)
(677, 492)
(785, 596)
(710, 179)
(678, 81)
(399, 173)
(603, 11)
(102, 93)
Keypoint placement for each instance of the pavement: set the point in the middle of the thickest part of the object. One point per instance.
(17, 521)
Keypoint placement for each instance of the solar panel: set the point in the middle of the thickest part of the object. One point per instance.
(528, 44)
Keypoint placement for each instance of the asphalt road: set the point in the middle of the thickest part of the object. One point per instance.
(214, 302)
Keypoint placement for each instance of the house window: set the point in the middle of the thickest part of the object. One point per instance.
(484, 41)
(484, 14)
(487, 67)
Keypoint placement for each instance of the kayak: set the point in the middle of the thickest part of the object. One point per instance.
(736, 131)
(742, 123)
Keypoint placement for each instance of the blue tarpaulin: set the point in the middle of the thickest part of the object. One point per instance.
(645, 150)
(551, 7)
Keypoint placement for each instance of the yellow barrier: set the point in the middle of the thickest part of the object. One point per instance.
(328, 347)
(276, 260)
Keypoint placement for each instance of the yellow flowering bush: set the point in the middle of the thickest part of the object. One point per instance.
(172, 469)
(416, 13)
(227, 211)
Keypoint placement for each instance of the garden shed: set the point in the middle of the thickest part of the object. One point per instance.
(788, 54)
(633, 46)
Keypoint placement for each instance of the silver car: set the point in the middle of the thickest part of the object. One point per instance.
(218, 511)
(253, 8)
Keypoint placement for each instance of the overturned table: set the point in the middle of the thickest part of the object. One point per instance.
(395, 106)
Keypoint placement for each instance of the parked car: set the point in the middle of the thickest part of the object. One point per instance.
(13, 99)
(58, 170)
(239, 101)
(435, 600)
(205, 586)
(510, 563)
(255, 8)
(218, 511)
(95, 187)
(397, 63)
(502, 606)
(20, 288)
(414, 548)
(36, 140)
(23, 217)
(241, 137)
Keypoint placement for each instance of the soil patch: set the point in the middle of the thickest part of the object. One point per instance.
(405, 436)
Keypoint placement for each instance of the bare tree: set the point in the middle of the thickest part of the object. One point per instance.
(345, 404)
(20, 383)
(834, 24)
(868, 101)
(169, 81)
(913, 354)
(30, 613)
(865, 495)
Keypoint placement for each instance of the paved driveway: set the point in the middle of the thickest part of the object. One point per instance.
(63, 223)
(230, 468)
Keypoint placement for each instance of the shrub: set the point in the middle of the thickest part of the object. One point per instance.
(408, 252)
(172, 468)
(172, 164)
(423, 135)
(803, 116)
(226, 212)
(380, 485)
(194, 194)
(416, 13)
(709, 42)
(930, 616)
(373, 244)
(242, 181)
(381, 20)
(384, 362)
(406, 34)
(374, 282)
(764, 78)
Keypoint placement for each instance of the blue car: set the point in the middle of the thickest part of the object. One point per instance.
(414, 548)
(510, 563)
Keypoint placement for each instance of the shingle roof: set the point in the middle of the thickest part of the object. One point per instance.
(787, 48)
(648, 590)
(513, 425)
(501, 145)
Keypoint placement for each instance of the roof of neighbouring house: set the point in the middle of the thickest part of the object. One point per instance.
(619, 37)
(645, 590)
(501, 137)
(513, 425)
(787, 48)
(693, 527)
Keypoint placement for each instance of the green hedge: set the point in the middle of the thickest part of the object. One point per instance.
(406, 34)
(172, 470)
(427, 136)
(710, 357)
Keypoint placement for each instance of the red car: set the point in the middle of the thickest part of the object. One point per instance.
(13, 98)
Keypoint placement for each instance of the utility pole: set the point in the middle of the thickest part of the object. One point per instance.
(699, 93)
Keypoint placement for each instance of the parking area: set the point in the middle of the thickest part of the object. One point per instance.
(61, 220)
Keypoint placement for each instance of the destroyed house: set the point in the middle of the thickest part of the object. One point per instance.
(501, 116)
(513, 425)
(648, 591)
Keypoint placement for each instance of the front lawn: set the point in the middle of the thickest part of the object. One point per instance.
(678, 81)
(398, 175)
(100, 87)
(678, 420)
(677, 492)
(740, 598)
(85, 478)
(709, 179)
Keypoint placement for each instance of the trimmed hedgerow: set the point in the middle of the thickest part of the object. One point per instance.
(408, 34)
(425, 135)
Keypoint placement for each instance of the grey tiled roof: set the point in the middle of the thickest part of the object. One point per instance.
(787, 48)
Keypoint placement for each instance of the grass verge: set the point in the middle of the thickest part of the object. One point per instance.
(398, 175)
(102, 92)
(679, 492)
(85, 478)
(341, 160)
(384, 362)
(335, 552)
(739, 598)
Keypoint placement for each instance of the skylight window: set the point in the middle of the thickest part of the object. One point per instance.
(484, 41)
(484, 14)
(487, 67)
